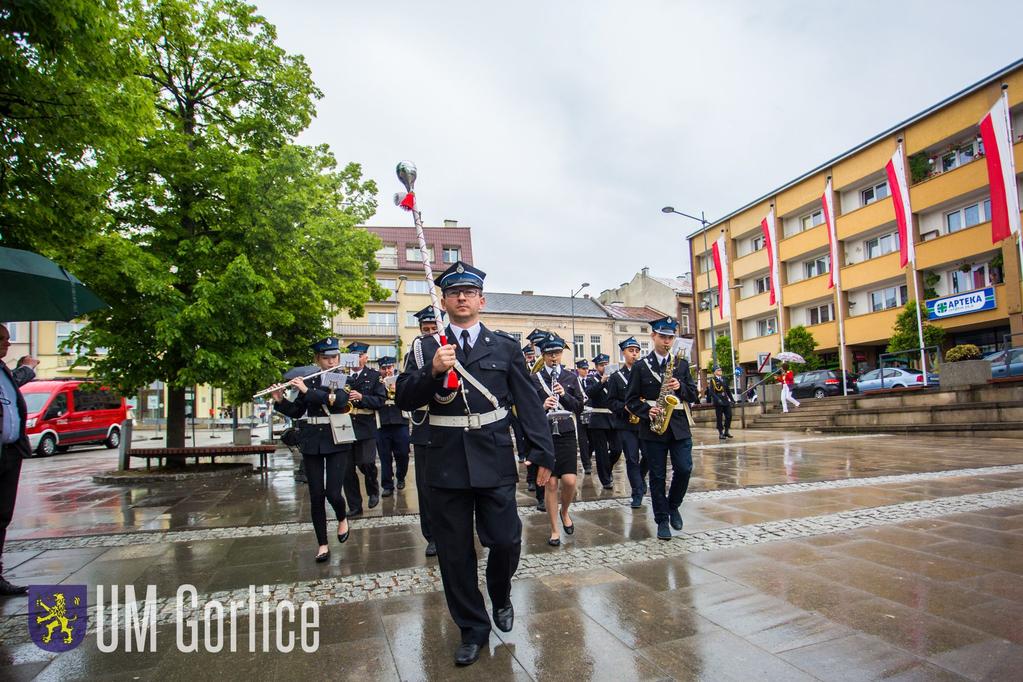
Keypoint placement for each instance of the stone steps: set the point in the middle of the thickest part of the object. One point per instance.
(1004, 411)
(989, 429)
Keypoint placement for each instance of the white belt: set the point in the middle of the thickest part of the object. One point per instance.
(315, 420)
(363, 410)
(600, 410)
(469, 421)
(388, 402)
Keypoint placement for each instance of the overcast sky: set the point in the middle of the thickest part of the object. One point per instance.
(558, 130)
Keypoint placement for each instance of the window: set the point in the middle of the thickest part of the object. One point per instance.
(819, 314)
(91, 400)
(766, 326)
(963, 153)
(711, 299)
(391, 284)
(974, 278)
(64, 331)
(881, 245)
(412, 253)
(577, 347)
(817, 266)
(452, 254)
(517, 336)
(417, 286)
(704, 263)
(756, 244)
(762, 285)
(594, 345)
(968, 216)
(387, 256)
(683, 321)
(411, 320)
(12, 328)
(874, 193)
(889, 297)
(377, 352)
(383, 318)
(811, 220)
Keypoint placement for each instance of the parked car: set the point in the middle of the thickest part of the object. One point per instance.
(67, 412)
(895, 377)
(1001, 368)
(821, 383)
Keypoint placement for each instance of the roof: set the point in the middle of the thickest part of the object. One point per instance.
(863, 145)
(531, 304)
(624, 312)
(681, 285)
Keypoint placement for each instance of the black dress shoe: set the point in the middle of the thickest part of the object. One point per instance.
(386, 493)
(431, 548)
(355, 512)
(467, 654)
(541, 507)
(374, 500)
(663, 532)
(728, 435)
(587, 471)
(609, 486)
(675, 518)
(10, 590)
(401, 484)
(323, 556)
(343, 537)
(504, 618)
(568, 529)
(637, 501)
(531, 487)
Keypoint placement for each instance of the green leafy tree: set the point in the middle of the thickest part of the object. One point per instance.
(722, 355)
(799, 340)
(905, 335)
(228, 245)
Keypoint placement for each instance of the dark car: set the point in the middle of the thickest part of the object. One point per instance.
(820, 383)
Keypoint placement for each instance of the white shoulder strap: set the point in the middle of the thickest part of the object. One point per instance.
(477, 385)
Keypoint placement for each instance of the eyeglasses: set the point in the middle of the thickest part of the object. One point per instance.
(468, 293)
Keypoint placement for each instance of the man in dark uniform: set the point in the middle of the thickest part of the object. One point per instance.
(368, 395)
(421, 428)
(520, 441)
(600, 429)
(720, 395)
(535, 338)
(582, 417)
(392, 435)
(470, 465)
(626, 425)
(641, 400)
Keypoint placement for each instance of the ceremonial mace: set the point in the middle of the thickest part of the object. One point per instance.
(406, 171)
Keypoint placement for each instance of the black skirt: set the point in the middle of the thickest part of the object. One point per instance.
(566, 454)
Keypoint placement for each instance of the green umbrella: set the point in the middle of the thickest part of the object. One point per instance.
(33, 287)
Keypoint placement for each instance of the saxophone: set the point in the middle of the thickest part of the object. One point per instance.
(666, 400)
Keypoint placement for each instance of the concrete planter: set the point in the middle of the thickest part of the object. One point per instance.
(965, 373)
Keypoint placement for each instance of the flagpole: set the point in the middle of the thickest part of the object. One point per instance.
(836, 276)
(731, 322)
(776, 275)
(912, 268)
(1012, 169)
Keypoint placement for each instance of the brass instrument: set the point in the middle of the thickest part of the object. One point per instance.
(666, 400)
(633, 419)
(537, 366)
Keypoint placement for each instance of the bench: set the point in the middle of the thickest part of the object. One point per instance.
(212, 452)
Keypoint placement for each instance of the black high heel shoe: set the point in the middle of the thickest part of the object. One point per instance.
(342, 538)
(568, 529)
(554, 542)
(320, 558)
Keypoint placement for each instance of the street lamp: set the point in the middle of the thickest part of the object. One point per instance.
(572, 302)
(710, 299)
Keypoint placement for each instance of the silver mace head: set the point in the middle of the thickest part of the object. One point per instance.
(406, 171)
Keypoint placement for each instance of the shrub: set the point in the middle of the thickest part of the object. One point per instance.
(967, 351)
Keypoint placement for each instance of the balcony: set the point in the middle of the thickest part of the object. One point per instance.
(873, 328)
(826, 335)
(865, 218)
(804, 242)
(955, 247)
(703, 319)
(367, 331)
(949, 185)
(806, 290)
(750, 263)
(870, 271)
(747, 351)
(753, 306)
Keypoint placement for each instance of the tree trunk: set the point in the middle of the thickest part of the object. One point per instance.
(175, 424)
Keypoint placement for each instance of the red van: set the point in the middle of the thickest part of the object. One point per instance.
(66, 412)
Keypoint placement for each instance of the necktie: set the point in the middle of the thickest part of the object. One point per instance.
(466, 346)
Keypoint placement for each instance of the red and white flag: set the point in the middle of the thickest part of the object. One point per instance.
(767, 226)
(899, 189)
(721, 268)
(996, 132)
(828, 202)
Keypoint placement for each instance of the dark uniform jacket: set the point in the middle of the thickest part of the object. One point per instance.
(722, 397)
(19, 377)
(419, 422)
(617, 390)
(572, 400)
(645, 384)
(373, 397)
(597, 392)
(477, 458)
(390, 414)
(315, 439)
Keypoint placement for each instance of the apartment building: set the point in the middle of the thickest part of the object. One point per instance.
(673, 294)
(388, 326)
(950, 200)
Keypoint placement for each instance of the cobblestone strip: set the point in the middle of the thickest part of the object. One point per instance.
(786, 441)
(386, 584)
(231, 532)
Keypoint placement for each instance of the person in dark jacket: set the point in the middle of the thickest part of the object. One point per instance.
(420, 436)
(392, 434)
(368, 395)
(720, 394)
(626, 424)
(601, 422)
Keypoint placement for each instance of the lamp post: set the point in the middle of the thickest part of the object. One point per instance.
(572, 303)
(710, 299)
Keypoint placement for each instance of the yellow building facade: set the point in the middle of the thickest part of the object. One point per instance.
(951, 229)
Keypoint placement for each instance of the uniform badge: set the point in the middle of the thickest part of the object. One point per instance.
(460, 270)
(57, 616)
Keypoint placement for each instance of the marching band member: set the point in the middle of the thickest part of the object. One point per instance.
(646, 383)
(626, 424)
(392, 434)
(325, 462)
(600, 429)
(582, 370)
(471, 467)
(421, 428)
(535, 338)
(559, 391)
(368, 396)
(520, 440)
(720, 394)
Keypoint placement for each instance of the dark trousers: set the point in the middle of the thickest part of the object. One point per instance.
(10, 472)
(423, 492)
(657, 452)
(585, 449)
(392, 447)
(723, 415)
(499, 529)
(361, 450)
(325, 489)
(531, 478)
(600, 440)
(636, 465)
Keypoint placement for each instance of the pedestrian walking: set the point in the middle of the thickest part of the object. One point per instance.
(719, 393)
(787, 380)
